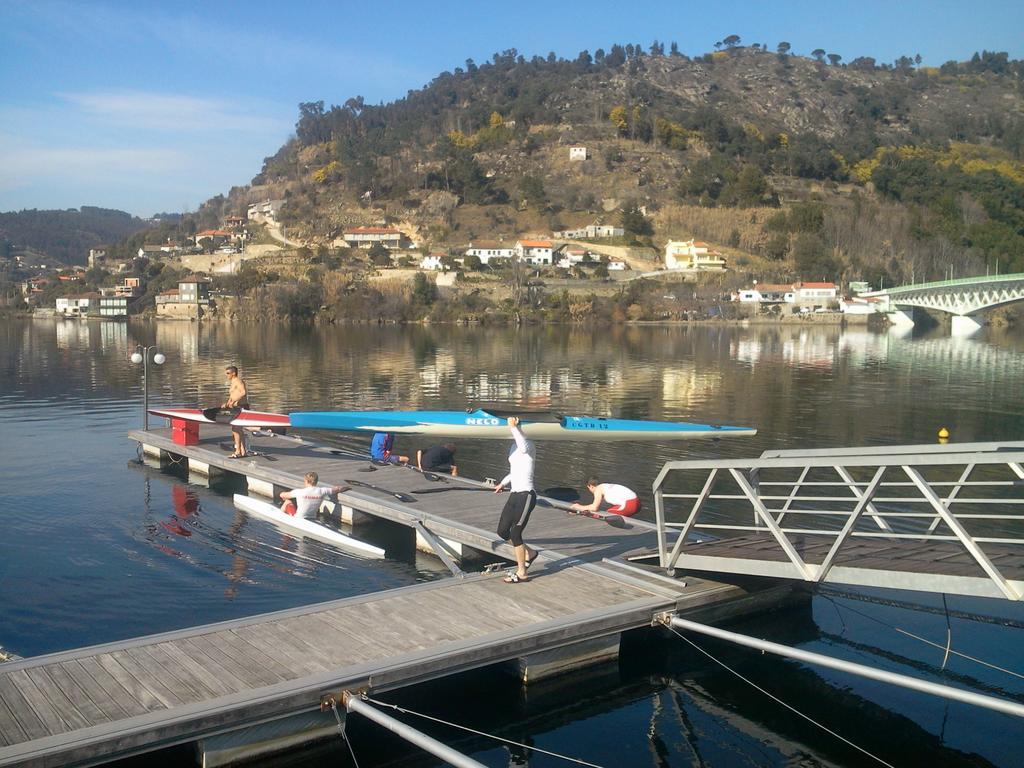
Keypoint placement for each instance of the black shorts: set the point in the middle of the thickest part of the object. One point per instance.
(515, 516)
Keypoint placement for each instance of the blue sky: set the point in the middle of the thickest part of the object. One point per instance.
(158, 106)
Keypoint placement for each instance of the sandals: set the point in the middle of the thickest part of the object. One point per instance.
(529, 560)
(515, 578)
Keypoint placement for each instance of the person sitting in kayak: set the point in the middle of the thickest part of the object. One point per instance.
(438, 458)
(380, 449)
(305, 501)
(623, 501)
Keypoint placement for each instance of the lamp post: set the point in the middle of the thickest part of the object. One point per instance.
(141, 355)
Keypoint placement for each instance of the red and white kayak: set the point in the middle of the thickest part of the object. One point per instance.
(236, 417)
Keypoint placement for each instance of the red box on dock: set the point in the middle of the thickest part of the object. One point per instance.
(184, 432)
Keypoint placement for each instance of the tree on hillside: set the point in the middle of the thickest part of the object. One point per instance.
(834, 59)
(731, 41)
(532, 190)
(634, 221)
(818, 54)
(783, 48)
(379, 255)
(673, 49)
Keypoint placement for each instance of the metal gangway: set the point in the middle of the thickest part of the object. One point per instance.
(936, 518)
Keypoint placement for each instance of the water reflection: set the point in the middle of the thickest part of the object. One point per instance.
(143, 550)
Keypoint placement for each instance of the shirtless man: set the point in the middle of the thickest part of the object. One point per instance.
(238, 397)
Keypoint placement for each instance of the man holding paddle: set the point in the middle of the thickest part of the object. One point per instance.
(238, 397)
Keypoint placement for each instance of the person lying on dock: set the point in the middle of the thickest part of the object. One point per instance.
(305, 501)
(623, 501)
(380, 449)
(438, 458)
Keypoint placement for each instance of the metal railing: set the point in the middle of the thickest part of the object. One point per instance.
(966, 494)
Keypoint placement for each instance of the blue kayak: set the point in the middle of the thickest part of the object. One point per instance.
(493, 424)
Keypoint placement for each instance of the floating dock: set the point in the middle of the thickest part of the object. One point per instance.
(228, 686)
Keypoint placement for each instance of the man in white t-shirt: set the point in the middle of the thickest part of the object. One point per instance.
(305, 501)
(623, 501)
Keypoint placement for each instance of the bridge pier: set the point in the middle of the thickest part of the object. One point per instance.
(902, 317)
(965, 325)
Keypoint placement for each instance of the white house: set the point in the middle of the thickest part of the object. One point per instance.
(151, 252)
(113, 306)
(268, 209)
(536, 252)
(591, 232)
(809, 293)
(862, 305)
(571, 256)
(75, 306)
(692, 254)
(578, 153)
(767, 293)
(366, 237)
(617, 265)
(433, 261)
(485, 250)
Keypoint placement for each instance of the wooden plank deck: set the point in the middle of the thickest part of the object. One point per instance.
(466, 516)
(119, 698)
(932, 566)
(99, 703)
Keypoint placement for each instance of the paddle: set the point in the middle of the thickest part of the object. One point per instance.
(403, 497)
(231, 447)
(450, 488)
(428, 475)
(569, 495)
(221, 415)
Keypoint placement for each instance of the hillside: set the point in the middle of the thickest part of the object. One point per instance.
(65, 235)
(794, 167)
(827, 170)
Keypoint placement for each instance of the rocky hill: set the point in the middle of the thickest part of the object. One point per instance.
(824, 169)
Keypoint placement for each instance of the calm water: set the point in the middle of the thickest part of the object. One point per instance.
(97, 547)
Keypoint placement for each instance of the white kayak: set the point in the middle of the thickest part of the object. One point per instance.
(304, 527)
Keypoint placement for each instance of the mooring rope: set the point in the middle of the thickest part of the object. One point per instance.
(777, 700)
(478, 733)
(945, 648)
(344, 735)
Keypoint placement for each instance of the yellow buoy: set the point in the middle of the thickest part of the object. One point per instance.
(943, 433)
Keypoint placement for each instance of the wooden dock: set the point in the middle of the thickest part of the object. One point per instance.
(94, 704)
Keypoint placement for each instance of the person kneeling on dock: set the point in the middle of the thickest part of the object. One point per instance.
(623, 501)
(438, 458)
(380, 449)
(305, 501)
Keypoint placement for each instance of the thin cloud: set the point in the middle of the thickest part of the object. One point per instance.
(267, 52)
(172, 112)
(19, 160)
